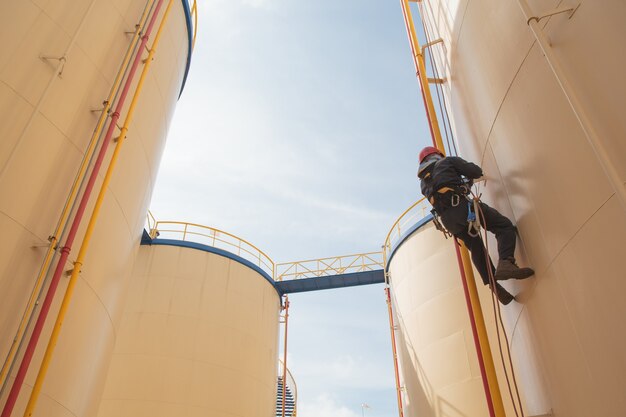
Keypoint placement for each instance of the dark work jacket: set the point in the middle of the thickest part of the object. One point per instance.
(448, 172)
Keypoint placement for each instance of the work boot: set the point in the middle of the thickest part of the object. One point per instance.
(507, 269)
(504, 296)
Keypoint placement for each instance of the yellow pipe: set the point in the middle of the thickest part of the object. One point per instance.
(72, 196)
(481, 328)
(490, 370)
(394, 348)
(418, 59)
(90, 227)
(194, 12)
(285, 354)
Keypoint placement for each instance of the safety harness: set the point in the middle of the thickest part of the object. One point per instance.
(456, 195)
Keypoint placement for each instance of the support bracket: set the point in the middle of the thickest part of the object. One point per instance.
(104, 105)
(129, 32)
(62, 60)
(437, 80)
(40, 245)
(431, 43)
(569, 10)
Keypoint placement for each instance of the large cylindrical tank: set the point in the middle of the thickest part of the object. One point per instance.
(439, 365)
(199, 337)
(46, 122)
(511, 116)
(438, 360)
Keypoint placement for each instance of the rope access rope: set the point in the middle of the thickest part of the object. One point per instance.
(496, 309)
(480, 220)
(466, 262)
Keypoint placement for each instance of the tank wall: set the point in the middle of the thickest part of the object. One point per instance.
(199, 336)
(39, 160)
(439, 366)
(512, 117)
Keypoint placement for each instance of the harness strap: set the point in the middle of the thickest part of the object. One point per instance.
(473, 225)
(455, 198)
(438, 224)
(444, 190)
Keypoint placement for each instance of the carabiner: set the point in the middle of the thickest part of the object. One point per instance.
(473, 229)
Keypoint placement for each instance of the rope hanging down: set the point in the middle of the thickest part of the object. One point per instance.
(477, 226)
(475, 220)
(481, 224)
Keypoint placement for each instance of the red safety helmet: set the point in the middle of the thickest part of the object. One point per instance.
(429, 150)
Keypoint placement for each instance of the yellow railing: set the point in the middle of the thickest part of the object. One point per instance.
(216, 238)
(194, 15)
(406, 220)
(220, 239)
(329, 266)
(151, 223)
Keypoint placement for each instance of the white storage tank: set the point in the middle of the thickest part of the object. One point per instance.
(198, 337)
(439, 365)
(511, 116)
(46, 122)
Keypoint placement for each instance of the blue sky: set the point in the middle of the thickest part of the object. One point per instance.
(299, 130)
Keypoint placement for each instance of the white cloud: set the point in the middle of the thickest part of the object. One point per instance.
(344, 370)
(324, 405)
(261, 4)
(343, 367)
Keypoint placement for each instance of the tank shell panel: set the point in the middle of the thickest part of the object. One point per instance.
(44, 136)
(439, 366)
(199, 336)
(512, 117)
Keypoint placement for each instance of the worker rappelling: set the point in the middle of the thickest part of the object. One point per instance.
(446, 182)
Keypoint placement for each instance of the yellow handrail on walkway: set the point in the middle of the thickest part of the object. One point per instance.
(92, 222)
(416, 212)
(312, 268)
(210, 236)
(150, 222)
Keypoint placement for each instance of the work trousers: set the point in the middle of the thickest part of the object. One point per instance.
(455, 220)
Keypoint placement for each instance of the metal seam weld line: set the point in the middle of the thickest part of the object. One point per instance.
(44, 95)
(599, 150)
